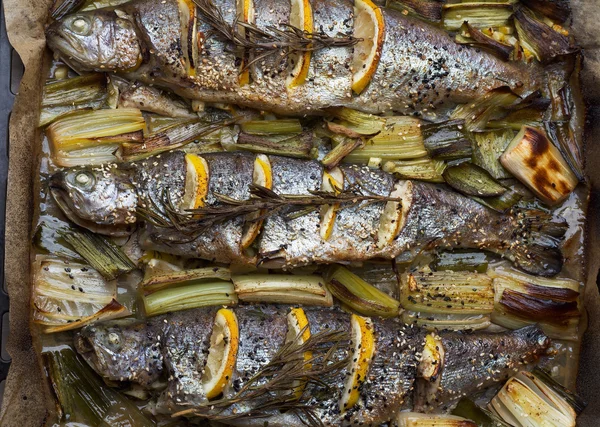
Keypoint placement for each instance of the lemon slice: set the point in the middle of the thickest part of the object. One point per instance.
(222, 354)
(370, 27)
(300, 17)
(333, 182)
(246, 7)
(298, 332)
(196, 182)
(394, 214)
(363, 348)
(262, 176)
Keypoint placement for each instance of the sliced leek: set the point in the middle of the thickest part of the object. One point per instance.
(461, 261)
(480, 14)
(487, 149)
(359, 295)
(282, 289)
(472, 180)
(422, 169)
(416, 419)
(270, 127)
(362, 123)
(170, 279)
(446, 292)
(447, 140)
(477, 113)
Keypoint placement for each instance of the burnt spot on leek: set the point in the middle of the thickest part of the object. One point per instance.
(476, 38)
(447, 140)
(472, 180)
(557, 10)
(101, 253)
(82, 397)
(359, 295)
(539, 38)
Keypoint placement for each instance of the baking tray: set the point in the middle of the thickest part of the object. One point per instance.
(11, 71)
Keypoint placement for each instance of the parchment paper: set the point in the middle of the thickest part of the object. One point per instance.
(24, 396)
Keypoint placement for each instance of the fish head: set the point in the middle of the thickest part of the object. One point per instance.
(102, 200)
(120, 351)
(101, 40)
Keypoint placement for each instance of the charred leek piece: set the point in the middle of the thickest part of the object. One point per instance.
(64, 96)
(525, 399)
(576, 402)
(291, 146)
(282, 289)
(477, 113)
(82, 398)
(472, 180)
(416, 419)
(563, 138)
(272, 127)
(171, 279)
(195, 295)
(501, 203)
(521, 299)
(557, 10)
(538, 164)
(429, 10)
(446, 292)
(482, 417)
(362, 123)
(102, 254)
(69, 295)
(487, 149)
(475, 262)
(482, 14)
(422, 169)
(359, 295)
(447, 140)
(478, 38)
(539, 38)
(340, 151)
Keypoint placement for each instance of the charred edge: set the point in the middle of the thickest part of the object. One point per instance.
(556, 294)
(534, 308)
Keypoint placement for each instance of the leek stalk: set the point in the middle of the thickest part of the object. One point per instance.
(477, 113)
(299, 146)
(81, 396)
(102, 254)
(472, 180)
(362, 123)
(282, 289)
(170, 279)
(423, 169)
(359, 295)
(190, 296)
(487, 149)
(479, 14)
(271, 127)
(475, 262)
(447, 140)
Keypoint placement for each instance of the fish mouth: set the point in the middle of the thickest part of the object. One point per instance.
(65, 48)
(60, 195)
(86, 349)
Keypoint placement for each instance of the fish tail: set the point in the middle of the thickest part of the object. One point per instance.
(535, 247)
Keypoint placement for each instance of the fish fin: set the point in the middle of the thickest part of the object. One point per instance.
(536, 248)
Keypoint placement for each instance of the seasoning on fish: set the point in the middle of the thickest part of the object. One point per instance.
(269, 366)
(409, 217)
(394, 62)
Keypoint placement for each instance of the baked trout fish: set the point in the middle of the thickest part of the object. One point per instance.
(180, 197)
(289, 367)
(388, 62)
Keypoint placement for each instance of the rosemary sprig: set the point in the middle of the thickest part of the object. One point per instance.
(275, 385)
(248, 36)
(262, 204)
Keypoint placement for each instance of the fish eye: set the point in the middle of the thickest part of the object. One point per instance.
(114, 338)
(81, 26)
(84, 179)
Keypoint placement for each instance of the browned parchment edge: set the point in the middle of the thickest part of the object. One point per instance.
(25, 402)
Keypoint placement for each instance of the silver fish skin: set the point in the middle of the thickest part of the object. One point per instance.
(421, 69)
(432, 216)
(181, 341)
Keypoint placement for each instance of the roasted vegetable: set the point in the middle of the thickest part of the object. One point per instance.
(82, 398)
(282, 289)
(525, 399)
(475, 37)
(415, 419)
(476, 114)
(204, 293)
(158, 280)
(299, 145)
(360, 295)
(362, 123)
(487, 149)
(423, 169)
(557, 10)
(271, 127)
(494, 13)
(446, 292)
(472, 180)
(447, 140)
(539, 38)
(521, 299)
(537, 163)
(342, 149)
(430, 10)
(482, 417)
(454, 322)
(102, 254)
(475, 262)
(501, 203)
(69, 295)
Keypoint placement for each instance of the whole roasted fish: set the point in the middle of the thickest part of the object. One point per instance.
(175, 347)
(409, 66)
(109, 200)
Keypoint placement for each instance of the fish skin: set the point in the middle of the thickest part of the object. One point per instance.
(433, 217)
(182, 340)
(428, 72)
